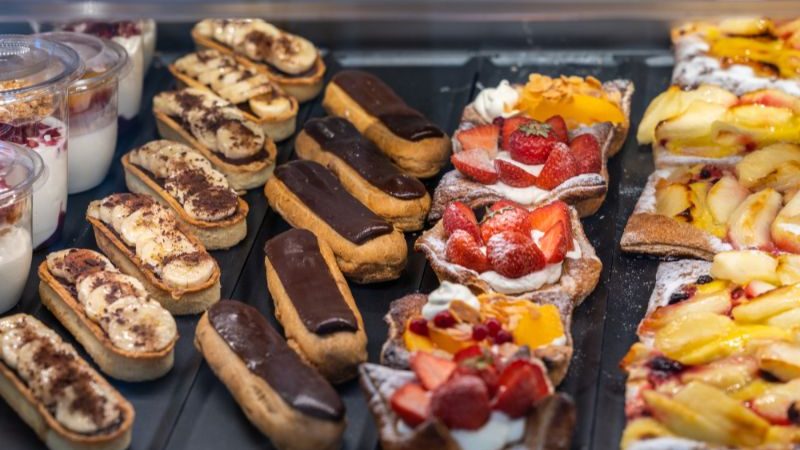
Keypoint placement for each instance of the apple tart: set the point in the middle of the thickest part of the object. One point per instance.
(703, 209)
(717, 364)
(546, 140)
(259, 98)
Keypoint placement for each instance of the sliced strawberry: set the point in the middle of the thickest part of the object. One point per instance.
(531, 143)
(458, 216)
(559, 128)
(475, 164)
(504, 217)
(485, 371)
(554, 244)
(462, 403)
(412, 403)
(484, 137)
(543, 217)
(559, 167)
(522, 383)
(513, 254)
(464, 250)
(586, 151)
(431, 370)
(513, 175)
(510, 125)
(473, 351)
(504, 203)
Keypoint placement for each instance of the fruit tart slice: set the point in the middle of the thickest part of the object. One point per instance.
(704, 209)
(717, 364)
(541, 254)
(739, 54)
(453, 323)
(546, 140)
(711, 124)
(480, 403)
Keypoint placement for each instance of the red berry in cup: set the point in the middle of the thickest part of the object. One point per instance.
(444, 320)
(502, 337)
(480, 332)
(493, 326)
(419, 326)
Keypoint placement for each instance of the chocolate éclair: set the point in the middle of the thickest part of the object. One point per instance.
(214, 126)
(289, 60)
(184, 180)
(66, 402)
(314, 304)
(145, 240)
(307, 195)
(260, 99)
(408, 138)
(130, 336)
(286, 399)
(365, 171)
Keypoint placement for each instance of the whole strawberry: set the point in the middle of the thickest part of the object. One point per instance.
(475, 164)
(464, 250)
(458, 216)
(502, 216)
(532, 142)
(513, 254)
(462, 402)
(559, 167)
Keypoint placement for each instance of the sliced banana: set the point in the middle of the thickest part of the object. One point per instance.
(188, 270)
(194, 204)
(77, 419)
(140, 326)
(143, 224)
(238, 139)
(71, 264)
(10, 343)
(267, 106)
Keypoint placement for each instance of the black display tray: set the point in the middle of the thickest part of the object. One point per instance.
(190, 409)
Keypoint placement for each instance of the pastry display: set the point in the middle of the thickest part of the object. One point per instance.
(712, 125)
(541, 254)
(717, 364)
(66, 403)
(367, 248)
(479, 402)
(546, 140)
(740, 54)
(184, 180)
(702, 209)
(283, 397)
(254, 93)
(313, 303)
(366, 173)
(213, 126)
(409, 139)
(452, 322)
(289, 60)
(128, 335)
(145, 240)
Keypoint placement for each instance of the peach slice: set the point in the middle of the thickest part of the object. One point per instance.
(744, 266)
(785, 228)
(760, 124)
(674, 102)
(414, 342)
(451, 339)
(723, 198)
(781, 359)
(745, 26)
(749, 225)
(776, 166)
(774, 302)
(672, 199)
(539, 326)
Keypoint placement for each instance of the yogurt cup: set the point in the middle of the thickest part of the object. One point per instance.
(92, 107)
(33, 113)
(20, 167)
(149, 41)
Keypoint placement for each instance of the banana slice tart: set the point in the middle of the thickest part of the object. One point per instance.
(66, 402)
(290, 60)
(130, 336)
(236, 146)
(260, 99)
(184, 180)
(145, 240)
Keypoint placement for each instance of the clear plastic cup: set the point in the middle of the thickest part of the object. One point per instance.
(20, 167)
(92, 107)
(34, 79)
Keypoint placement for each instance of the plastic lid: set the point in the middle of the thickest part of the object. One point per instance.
(20, 167)
(34, 66)
(102, 59)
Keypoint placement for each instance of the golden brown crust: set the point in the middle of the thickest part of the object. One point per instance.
(658, 235)
(302, 88)
(578, 278)
(336, 356)
(215, 235)
(241, 177)
(380, 259)
(286, 427)
(49, 430)
(115, 362)
(406, 215)
(421, 159)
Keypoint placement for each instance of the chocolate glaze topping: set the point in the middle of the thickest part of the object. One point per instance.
(381, 101)
(340, 137)
(295, 255)
(321, 192)
(266, 354)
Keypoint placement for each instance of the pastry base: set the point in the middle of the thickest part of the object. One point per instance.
(287, 428)
(405, 215)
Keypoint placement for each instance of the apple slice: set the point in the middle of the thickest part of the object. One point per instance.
(735, 342)
(700, 212)
(683, 420)
(789, 319)
(724, 197)
(749, 225)
(789, 269)
(718, 303)
(666, 105)
(786, 227)
(688, 333)
(774, 403)
(761, 167)
(729, 374)
(744, 266)
(672, 199)
(745, 26)
(756, 288)
(770, 304)
(781, 359)
(691, 126)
